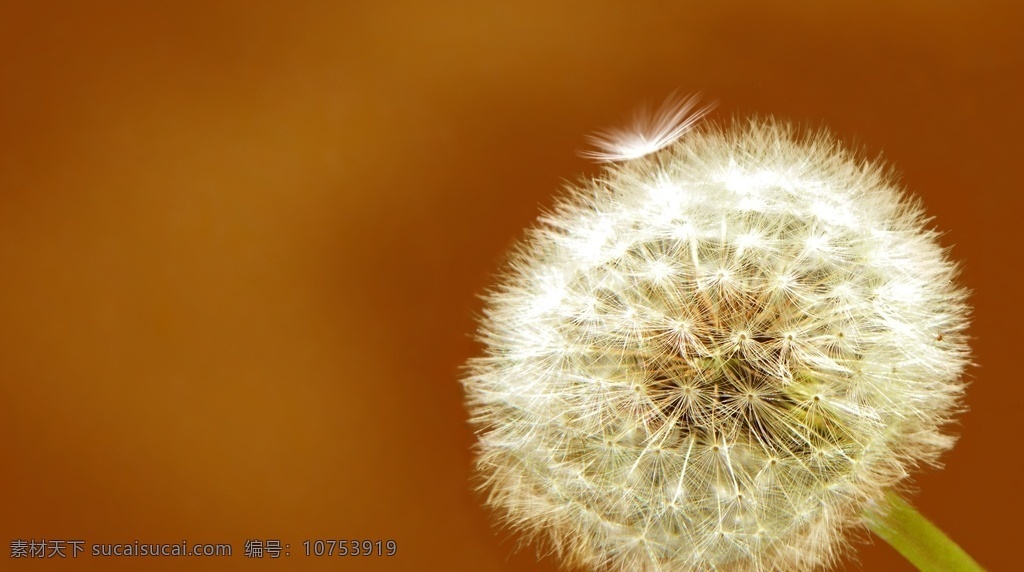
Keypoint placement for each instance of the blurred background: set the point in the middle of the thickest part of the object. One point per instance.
(241, 244)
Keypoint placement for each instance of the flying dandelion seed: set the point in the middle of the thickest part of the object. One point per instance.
(649, 132)
(717, 354)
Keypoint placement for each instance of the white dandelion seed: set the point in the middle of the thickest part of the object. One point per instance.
(649, 132)
(717, 357)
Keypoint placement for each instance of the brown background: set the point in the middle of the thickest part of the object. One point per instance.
(240, 243)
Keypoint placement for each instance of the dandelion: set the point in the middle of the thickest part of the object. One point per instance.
(721, 353)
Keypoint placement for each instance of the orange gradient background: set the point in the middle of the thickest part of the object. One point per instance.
(241, 243)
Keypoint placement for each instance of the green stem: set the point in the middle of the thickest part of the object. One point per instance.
(917, 539)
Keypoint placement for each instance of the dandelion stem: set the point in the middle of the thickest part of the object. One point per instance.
(918, 539)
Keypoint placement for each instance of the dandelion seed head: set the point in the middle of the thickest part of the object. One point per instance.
(716, 354)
